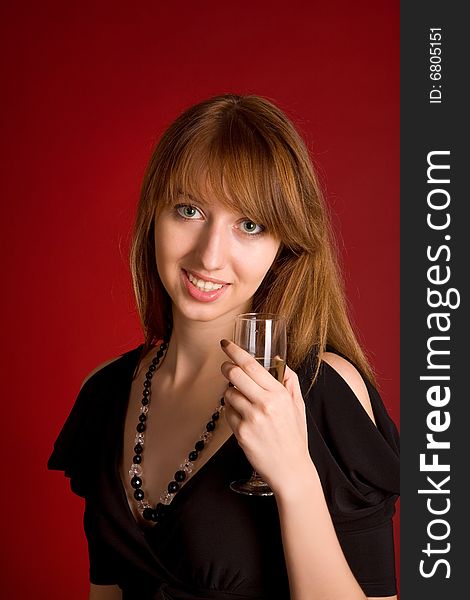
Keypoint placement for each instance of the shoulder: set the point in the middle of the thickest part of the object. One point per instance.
(128, 360)
(97, 369)
(352, 377)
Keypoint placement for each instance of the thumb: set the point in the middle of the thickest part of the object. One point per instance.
(291, 383)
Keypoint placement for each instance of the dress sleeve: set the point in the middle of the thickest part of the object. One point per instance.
(74, 447)
(81, 440)
(358, 465)
(84, 450)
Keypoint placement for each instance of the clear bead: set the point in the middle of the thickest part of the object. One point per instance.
(144, 410)
(139, 439)
(143, 504)
(206, 436)
(166, 498)
(135, 470)
(187, 466)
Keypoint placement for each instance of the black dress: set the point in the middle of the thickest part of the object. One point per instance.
(214, 543)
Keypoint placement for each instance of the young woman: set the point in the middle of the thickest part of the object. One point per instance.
(231, 220)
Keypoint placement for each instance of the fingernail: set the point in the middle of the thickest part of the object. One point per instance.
(224, 343)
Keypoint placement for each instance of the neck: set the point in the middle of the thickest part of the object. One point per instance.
(194, 350)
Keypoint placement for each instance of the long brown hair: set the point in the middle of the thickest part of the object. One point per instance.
(250, 154)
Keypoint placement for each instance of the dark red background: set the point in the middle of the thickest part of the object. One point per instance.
(87, 90)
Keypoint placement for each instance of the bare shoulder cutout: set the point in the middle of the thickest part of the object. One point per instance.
(352, 377)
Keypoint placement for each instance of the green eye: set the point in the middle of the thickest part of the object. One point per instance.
(186, 210)
(251, 229)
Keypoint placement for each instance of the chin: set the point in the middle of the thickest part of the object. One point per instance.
(206, 314)
(203, 312)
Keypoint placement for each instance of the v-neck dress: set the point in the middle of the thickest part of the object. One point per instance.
(215, 543)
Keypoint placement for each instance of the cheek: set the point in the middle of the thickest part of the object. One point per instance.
(255, 264)
(169, 252)
(171, 235)
(163, 248)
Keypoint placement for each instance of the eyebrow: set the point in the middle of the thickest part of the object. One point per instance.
(195, 200)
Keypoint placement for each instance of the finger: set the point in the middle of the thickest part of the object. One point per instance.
(249, 365)
(242, 382)
(292, 385)
(288, 374)
(232, 417)
(237, 402)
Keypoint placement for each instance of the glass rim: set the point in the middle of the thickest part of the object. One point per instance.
(260, 316)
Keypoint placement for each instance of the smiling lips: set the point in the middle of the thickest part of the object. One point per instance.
(202, 289)
(203, 284)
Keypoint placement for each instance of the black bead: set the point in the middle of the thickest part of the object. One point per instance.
(137, 459)
(149, 375)
(148, 514)
(162, 346)
(138, 449)
(215, 416)
(147, 383)
(180, 475)
(160, 511)
(142, 418)
(146, 393)
(222, 401)
(193, 455)
(139, 494)
(210, 426)
(160, 353)
(145, 400)
(136, 482)
(199, 445)
(173, 487)
(152, 367)
(140, 427)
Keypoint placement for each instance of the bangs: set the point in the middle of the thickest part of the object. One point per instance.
(234, 165)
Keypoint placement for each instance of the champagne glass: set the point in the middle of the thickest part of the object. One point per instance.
(264, 336)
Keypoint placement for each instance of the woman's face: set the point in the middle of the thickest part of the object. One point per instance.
(199, 240)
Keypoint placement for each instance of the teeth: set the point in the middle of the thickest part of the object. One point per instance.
(204, 285)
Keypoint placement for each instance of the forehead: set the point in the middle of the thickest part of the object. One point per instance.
(212, 184)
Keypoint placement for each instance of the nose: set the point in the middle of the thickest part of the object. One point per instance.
(213, 247)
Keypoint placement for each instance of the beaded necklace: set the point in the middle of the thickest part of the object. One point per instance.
(157, 513)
